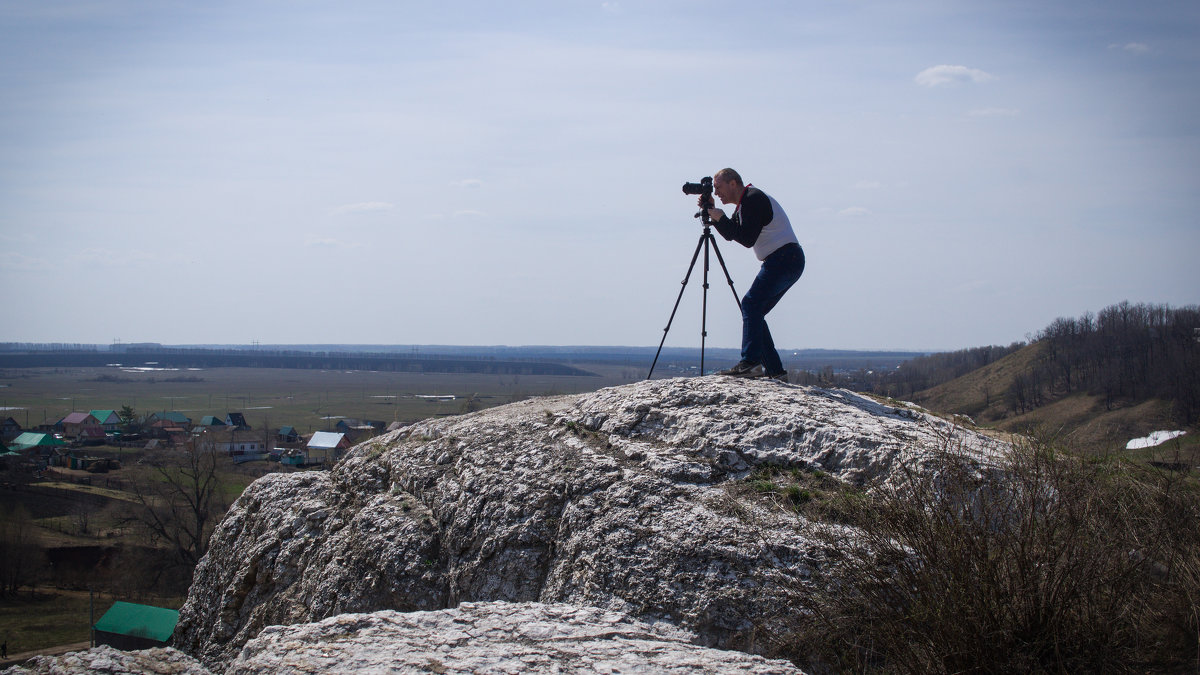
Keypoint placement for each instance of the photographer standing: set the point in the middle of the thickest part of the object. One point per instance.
(758, 222)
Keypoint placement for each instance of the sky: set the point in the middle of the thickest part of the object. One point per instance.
(959, 173)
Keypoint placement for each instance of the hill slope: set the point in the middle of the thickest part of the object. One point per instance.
(1081, 418)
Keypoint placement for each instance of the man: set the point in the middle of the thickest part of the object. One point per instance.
(758, 222)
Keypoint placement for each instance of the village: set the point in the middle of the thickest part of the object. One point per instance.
(74, 441)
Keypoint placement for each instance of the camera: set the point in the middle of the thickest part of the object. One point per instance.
(704, 187)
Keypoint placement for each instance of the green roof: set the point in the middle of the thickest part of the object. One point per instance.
(127, 618)
(32, 439)
(103, 415)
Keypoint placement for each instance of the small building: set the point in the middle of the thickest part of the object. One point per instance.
(287, 435)
(325, 448)
(211, 421)
(109, 420)
(236, 420)
(360, 430)
(242, 446)
(176, 419)
(81, 426)
(9, 429)
(129, 626)
(31, 439)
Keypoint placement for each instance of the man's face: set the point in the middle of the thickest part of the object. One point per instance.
(727, 190)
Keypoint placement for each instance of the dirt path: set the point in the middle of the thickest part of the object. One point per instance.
(22, 657)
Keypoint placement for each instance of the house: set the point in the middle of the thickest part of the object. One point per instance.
(287, 435)
(9, 429)
(236, 420)
(325, 448)
(109, 420)
(31, 439)
(211, 421)
(81, 426)
(360, 430)
(129, 626)
(176, 419)
(242, 446)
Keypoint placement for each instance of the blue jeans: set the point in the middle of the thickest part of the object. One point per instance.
(779, 271)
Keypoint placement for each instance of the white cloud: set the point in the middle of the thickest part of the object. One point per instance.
(1132, 47)
(10, 260)
(854, 212)
(867, 185)
(469, 213)
(108, 258)
(365, 207)
(939, 75)
(327, 242)
(469, 183)
(995, 112)
(611, 7)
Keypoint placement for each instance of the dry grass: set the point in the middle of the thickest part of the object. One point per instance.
(1050, 562)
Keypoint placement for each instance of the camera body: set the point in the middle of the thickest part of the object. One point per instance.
(705, 189)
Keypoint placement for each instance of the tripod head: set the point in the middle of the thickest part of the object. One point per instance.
(705, 189)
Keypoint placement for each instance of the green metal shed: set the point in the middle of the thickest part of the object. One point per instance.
(130, 626)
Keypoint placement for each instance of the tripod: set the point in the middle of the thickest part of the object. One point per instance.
(707, 240)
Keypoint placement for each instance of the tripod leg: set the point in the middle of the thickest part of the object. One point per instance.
(704, 304)
(725, 270)
(671, 320)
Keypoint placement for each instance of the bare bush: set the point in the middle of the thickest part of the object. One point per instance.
(1044, 562)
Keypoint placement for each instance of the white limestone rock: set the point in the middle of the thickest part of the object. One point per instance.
(625, 499)
(489, 638)
(105, 660)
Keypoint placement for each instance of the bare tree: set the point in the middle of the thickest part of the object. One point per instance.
(20, 554)
(180, 499)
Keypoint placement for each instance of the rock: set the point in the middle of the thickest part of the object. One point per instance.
(495, 637)
(108, 661)
(489, 638)
(629, 499)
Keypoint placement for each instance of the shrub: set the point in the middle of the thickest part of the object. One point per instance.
(1041, 562)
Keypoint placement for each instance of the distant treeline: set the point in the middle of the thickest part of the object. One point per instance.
(929, 371)
(235, 358)
(1127, 352)
(903, 378)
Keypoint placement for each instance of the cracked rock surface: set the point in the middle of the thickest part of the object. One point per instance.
(623, 500)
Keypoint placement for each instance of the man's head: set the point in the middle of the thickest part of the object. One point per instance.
(727, 185)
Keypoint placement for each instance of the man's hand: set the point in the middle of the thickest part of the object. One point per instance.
(715, 214)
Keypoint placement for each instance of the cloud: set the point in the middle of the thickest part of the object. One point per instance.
(365, 207)
(854, 212)
(470, 183)
(995, 112)
(1137, 48)
(867, 185)
(10, 260)
(469, 213)
(106, 257)
(939, 75)
(611, 7)
(327, 242)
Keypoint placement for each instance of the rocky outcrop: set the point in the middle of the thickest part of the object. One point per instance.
(629, 500)
(105, 659)
(497, 637)
(489, 638)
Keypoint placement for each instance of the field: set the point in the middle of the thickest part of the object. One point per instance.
(79, 518)
(309, 400)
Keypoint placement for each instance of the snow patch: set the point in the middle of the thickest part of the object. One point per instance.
(1156, 438)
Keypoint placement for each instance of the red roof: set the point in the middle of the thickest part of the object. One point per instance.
(79, 418)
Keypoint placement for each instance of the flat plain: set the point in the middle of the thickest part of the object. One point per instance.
(309, 400)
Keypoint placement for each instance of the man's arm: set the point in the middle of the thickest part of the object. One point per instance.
(754, 215)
